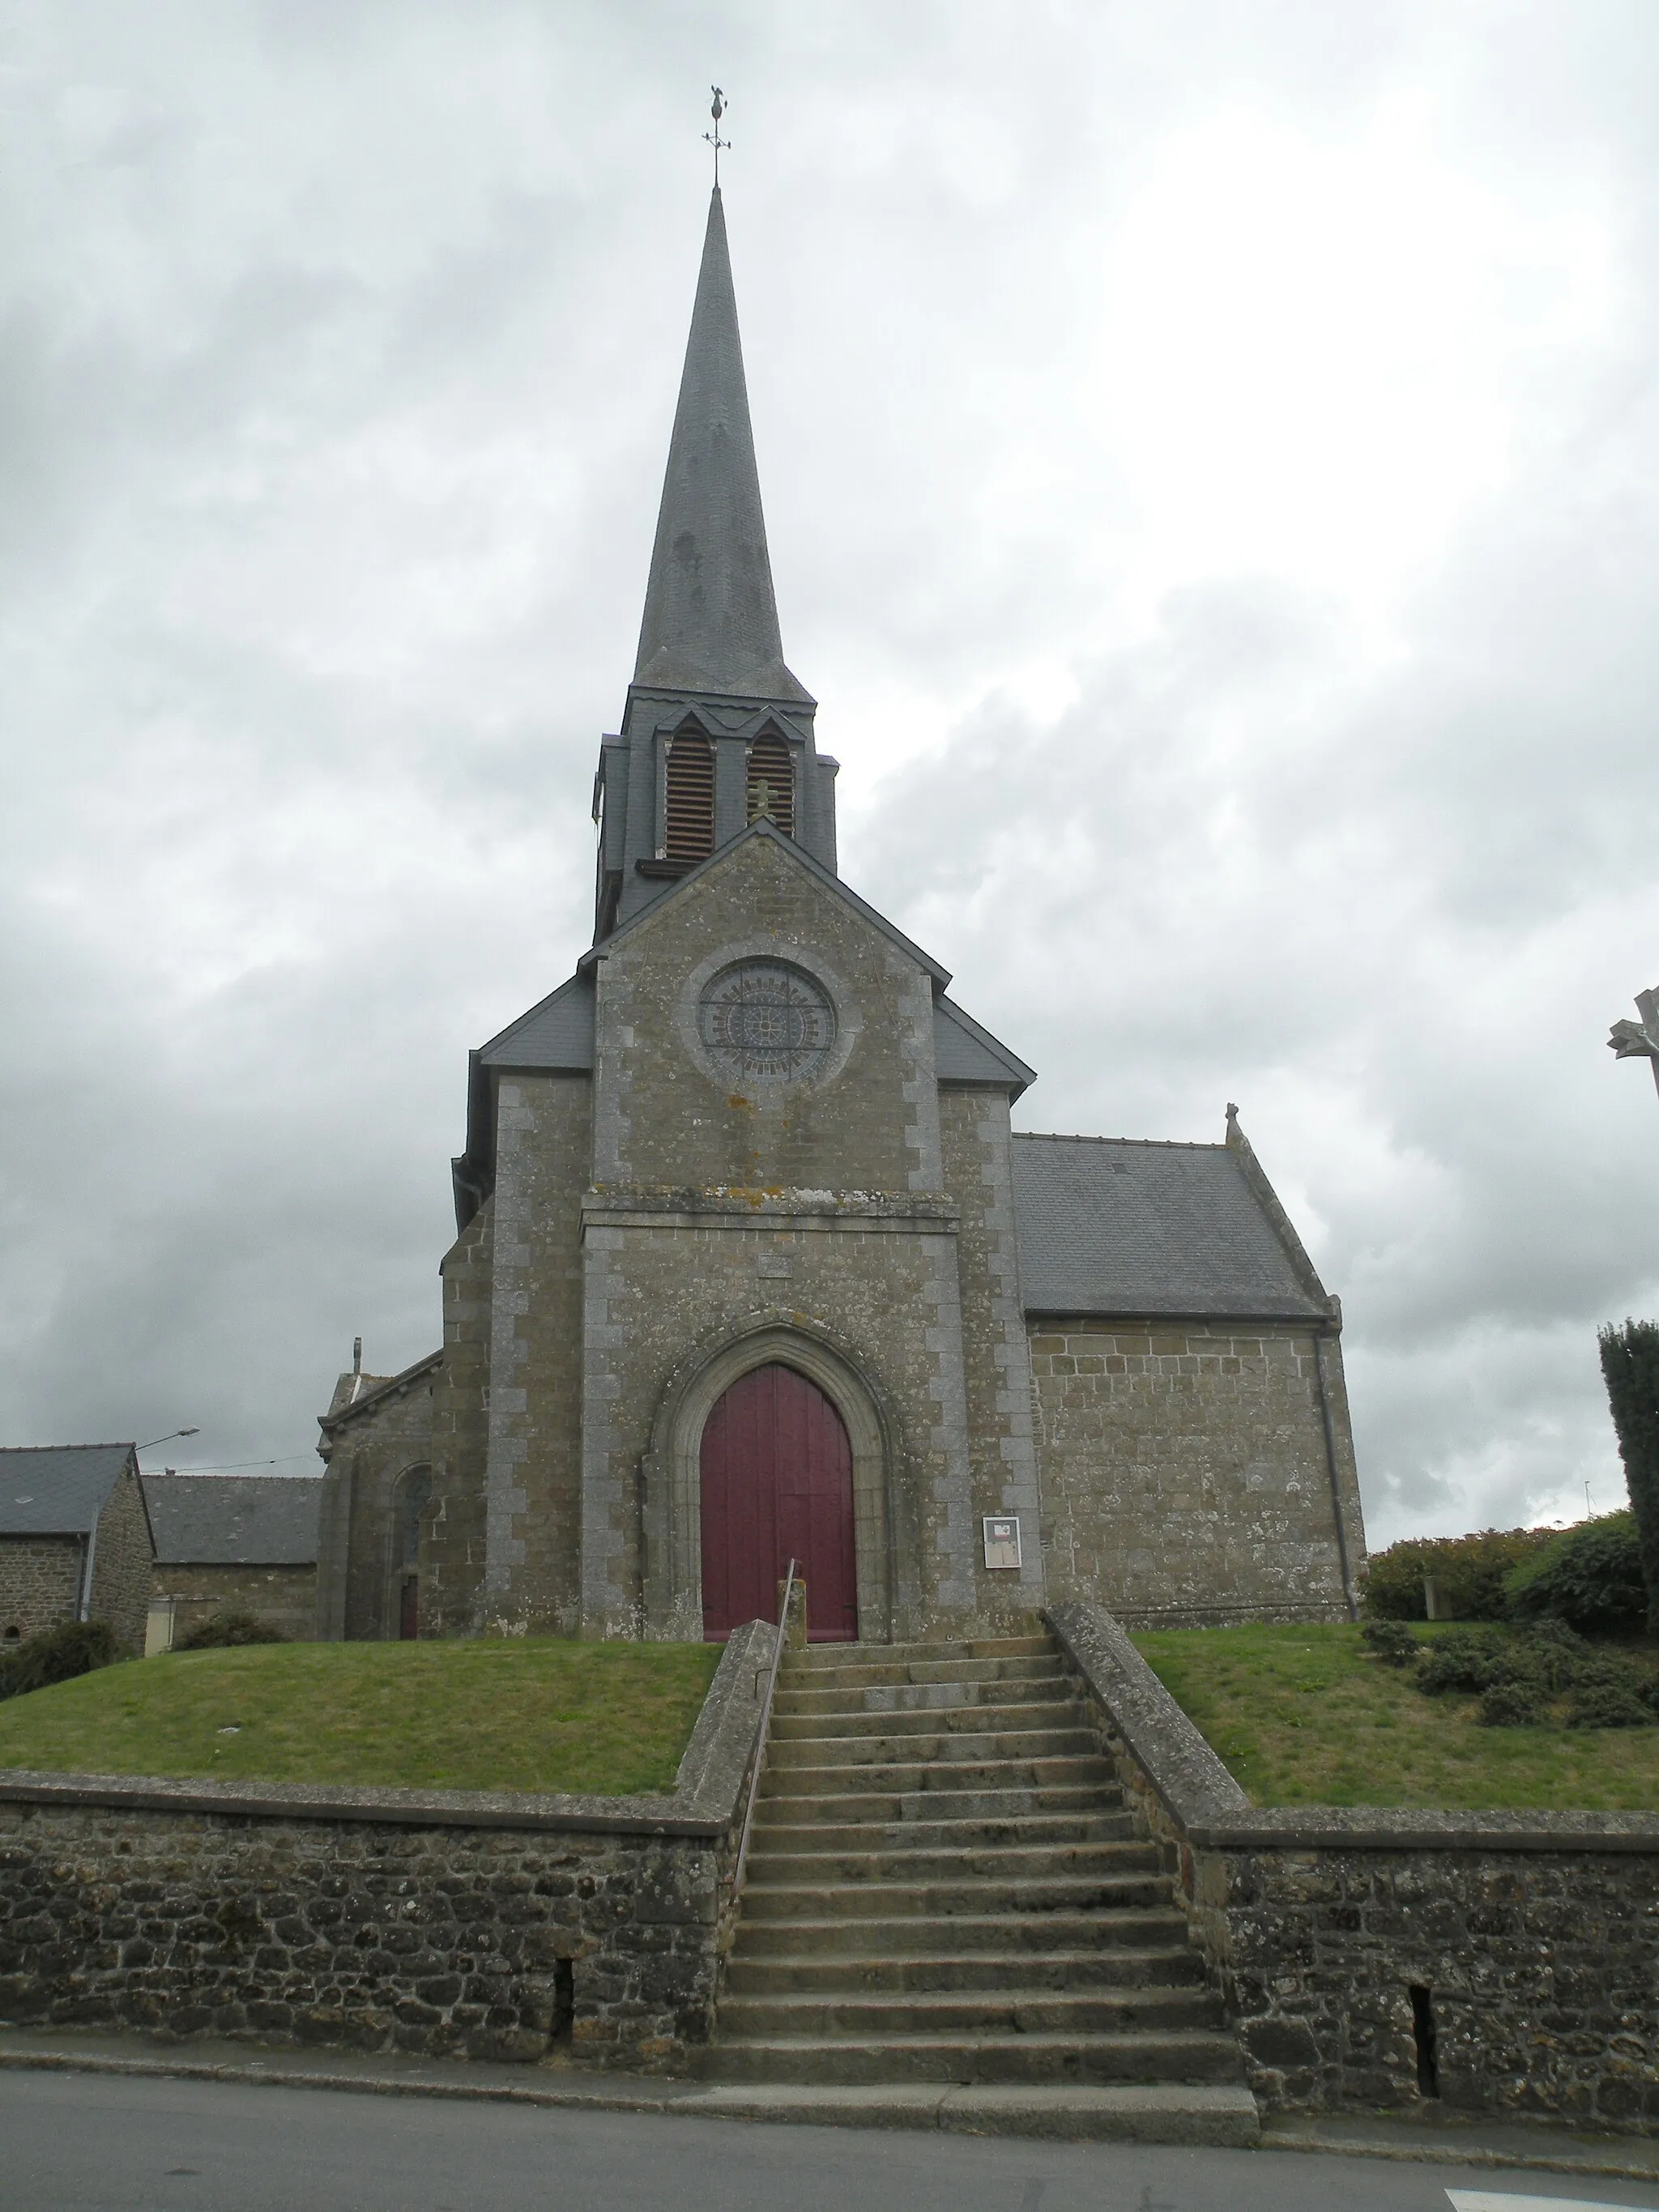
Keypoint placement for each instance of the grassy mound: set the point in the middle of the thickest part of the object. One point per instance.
(1306, 1716)
(534, 1715)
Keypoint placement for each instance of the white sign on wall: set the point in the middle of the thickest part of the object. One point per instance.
(1002, 1540)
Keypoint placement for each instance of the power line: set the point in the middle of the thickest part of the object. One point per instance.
(237, 1465)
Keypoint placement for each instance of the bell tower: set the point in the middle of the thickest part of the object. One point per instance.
(717, 732)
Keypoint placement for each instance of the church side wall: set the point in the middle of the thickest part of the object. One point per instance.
(375, 1449)
(453, 1546)
(1184, 1468)
(533, 1496)
(976, 1145)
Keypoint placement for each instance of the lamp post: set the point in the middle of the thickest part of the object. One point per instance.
(166, 1439)
(1639, 1040)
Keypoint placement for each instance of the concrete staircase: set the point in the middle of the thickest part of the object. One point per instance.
(944, 1888)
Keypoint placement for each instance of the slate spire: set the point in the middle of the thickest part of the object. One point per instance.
(711, 618)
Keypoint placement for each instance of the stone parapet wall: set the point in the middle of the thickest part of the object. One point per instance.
(1496, 1962)
(485, 1924)
(40, 1583)
(1187, 1469)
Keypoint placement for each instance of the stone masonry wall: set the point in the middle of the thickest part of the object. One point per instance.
(1185, 1472)
(532, 1501)
(453, 1550)
(976, 1143)
(438, 1940)
(284, 1596)
(1522, 1949)
(1541, 1969)
(121, 1564)
(40, 1583)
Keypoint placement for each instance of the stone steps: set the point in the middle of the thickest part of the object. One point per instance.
(946, 1886)
(840, 1973)
(865, 1835)
(1111, 2010)
(912, 1862)
(1078, 1772)
(959, 1935)
(1139, 2055)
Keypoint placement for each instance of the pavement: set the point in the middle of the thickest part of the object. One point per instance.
(1131, 2115)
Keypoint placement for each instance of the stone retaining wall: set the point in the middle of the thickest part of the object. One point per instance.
(489, 1925)
(1501, 1962)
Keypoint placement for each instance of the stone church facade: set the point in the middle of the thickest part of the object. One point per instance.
(751, 1264)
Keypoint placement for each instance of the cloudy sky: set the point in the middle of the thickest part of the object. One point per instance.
(1212, 461)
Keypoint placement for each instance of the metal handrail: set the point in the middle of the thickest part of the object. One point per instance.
(765, 1723)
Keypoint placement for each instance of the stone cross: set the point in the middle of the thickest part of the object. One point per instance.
(1639, 1040)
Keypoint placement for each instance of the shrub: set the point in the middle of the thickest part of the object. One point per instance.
(222, 1629)
(1589, 1576)
(1609, 1704)
(1468, 1573)
(1513, 1705)
(1467, 1662)
(1630, 1368)
(1392, 1643)
(57, 1654)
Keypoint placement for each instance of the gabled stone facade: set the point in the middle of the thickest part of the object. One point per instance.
(752, 1133)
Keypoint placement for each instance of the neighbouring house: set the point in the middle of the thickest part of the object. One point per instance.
(75, 1542)
(232, 1543)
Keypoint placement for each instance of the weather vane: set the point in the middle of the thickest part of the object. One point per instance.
(712, 137)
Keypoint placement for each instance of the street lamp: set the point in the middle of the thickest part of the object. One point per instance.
(1639, 1040)
(166, 1439)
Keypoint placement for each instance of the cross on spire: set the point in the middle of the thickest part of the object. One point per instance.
(712, 137)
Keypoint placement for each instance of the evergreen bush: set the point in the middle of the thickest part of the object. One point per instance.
(1589, 1576)
(220, 1630)
(1630, 1367)
(1468, 1574)
(57, 1654)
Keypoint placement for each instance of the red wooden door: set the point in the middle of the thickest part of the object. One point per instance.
(777, 1482)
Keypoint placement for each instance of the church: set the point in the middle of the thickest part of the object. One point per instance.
(750, 1264)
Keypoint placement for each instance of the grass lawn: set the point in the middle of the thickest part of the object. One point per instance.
(509, 1714)
(1304, 1716)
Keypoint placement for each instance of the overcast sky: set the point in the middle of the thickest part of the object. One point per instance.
(1212, 464)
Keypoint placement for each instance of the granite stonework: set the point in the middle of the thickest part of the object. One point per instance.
(283, 1597)
(376, 1438)
(1494, 1962)
(485, 1924)
(1193, 1473)
(39, 1584)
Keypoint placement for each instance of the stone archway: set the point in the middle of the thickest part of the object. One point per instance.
(672, 1483)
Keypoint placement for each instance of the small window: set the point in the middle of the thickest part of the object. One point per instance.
(414, 1493)
(772, 782)
(13, 1635)
(689, 833)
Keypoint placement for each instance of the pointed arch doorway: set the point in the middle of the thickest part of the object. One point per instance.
(777, 1482)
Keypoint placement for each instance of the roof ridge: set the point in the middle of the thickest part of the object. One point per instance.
(1068, 1137)
(115, 1443)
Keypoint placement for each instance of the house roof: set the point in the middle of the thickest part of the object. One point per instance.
(59, 1490)
(235, 1520)
(1117, 1226)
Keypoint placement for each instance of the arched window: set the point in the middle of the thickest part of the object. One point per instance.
(689, 834)
(13, 1635)
(772, 782)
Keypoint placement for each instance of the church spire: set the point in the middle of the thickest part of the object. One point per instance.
(711, 619)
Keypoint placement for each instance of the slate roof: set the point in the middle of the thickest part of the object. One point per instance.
(235, 1520)
(965, 1052)
(57, 1489)
(1112, 1225)
(558, 1033)
(711, 616)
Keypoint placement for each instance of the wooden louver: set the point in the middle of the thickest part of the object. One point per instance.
(772, 782)
(690, 829)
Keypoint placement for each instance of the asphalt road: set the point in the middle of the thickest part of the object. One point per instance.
(85, 2142)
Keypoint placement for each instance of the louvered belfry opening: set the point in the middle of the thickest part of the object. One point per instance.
(772, 782)
(690, 830)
